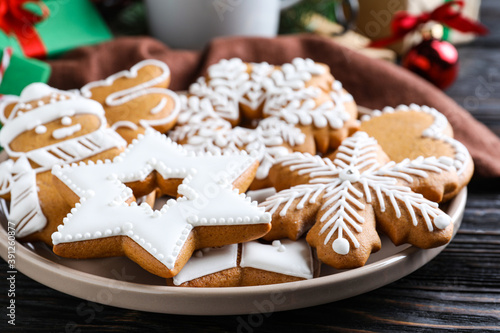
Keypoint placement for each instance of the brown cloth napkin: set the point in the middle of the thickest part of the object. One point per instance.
(373, 83)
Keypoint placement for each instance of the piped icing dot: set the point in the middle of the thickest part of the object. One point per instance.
(66, 121)
(442, 221)
(341, 246)
(350, 174)
(56, 237)
(40, 129)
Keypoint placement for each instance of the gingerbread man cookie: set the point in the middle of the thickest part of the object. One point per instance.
(44, 127)
(137, 99)
(209, 210)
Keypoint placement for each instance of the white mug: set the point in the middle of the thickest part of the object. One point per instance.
(191, 24)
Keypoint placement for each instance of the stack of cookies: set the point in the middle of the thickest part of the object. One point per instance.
(85, 169)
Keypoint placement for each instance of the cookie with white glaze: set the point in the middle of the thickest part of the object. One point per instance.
(422, 133)
(268, 110)
(341, 202)
(248, 264)
(137, 99)
(42, 128)
(210, 210)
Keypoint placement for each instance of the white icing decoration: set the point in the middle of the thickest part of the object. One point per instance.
(25, 211)
(287, 103)
(126, 124)
(45, 114)
(64, 132)
(299, 106)
(216, 135)
(435, 131)
(216, 260)
(67, 151)
(66, 121)
(442, 221)
(76, 149)
(35, 91)
(341, 246)
(6, 100)
(146, 88)
(40, 129)
(282, 91)
(207, 196)
(20, 180)
(254, 96)
(332, 185)
(160, 106)
(350, 174)
(6, 176)
(293, 258)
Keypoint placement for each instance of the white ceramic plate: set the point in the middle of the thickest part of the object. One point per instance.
(120, 282)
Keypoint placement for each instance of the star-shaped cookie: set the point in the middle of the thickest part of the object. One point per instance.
(209, 209)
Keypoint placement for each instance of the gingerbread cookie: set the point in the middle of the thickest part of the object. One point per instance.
(137, 99)
(248, 264)
(272, 138)
(209, 210)
(342, 201)
(42, 128)
(295, 107)
(420, 132)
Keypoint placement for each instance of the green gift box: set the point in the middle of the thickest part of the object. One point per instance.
(21, 72)
(51, 27)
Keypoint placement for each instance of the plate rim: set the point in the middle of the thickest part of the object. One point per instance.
(233, 300)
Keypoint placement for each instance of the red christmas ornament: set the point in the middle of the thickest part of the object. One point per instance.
(435, 60)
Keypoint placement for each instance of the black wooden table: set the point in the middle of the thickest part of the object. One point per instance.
(457, 291)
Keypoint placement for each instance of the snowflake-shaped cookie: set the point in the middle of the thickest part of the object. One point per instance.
(296, 107)
(421, 131)
(341, 200)
(272, 138)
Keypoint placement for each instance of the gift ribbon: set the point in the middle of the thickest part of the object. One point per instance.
(448, 14)
(16, 20)
(7, 54)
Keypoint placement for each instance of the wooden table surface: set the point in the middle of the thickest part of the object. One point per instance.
(457, 291)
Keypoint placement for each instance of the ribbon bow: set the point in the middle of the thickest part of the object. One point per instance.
(16, 20)
(448, 14)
